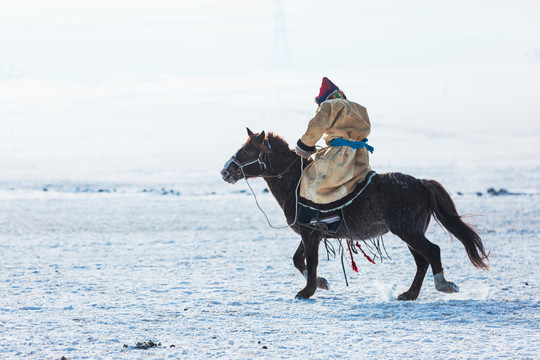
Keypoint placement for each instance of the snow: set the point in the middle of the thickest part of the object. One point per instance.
(116, 227)
(84, 274)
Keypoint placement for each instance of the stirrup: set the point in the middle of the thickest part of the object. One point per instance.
(325, 220)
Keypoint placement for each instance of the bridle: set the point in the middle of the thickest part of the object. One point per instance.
(241, 166)
(263, 167)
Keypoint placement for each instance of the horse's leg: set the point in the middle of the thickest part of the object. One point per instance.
(432, 253)
(299, 260)
(310, 242)
(421, 269)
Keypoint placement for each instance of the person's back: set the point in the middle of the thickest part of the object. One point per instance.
(338, 168)
(338, 118)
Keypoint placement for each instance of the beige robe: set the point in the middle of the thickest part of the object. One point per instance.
(336, 170)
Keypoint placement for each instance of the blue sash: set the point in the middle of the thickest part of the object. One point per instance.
(353, 144)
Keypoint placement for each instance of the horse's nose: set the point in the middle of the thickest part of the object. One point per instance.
(224, 173)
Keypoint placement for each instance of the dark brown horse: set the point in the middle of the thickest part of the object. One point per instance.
(392, 202)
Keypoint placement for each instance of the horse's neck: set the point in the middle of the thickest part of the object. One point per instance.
(284, 188)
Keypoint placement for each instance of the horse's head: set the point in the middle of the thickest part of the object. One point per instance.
(248, 161)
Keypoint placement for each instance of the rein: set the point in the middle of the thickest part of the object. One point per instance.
(263, 166)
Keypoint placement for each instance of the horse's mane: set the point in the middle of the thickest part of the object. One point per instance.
(278, 144)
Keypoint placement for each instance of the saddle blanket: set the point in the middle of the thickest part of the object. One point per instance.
(310, 213)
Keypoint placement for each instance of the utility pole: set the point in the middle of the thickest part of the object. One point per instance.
(281, 56)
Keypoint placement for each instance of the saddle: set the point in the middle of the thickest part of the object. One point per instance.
(329, 217)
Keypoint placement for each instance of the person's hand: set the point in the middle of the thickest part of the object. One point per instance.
(303, 150)
(303, 153)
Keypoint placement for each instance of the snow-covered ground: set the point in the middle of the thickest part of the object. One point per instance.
(85, 273)
(116, 227)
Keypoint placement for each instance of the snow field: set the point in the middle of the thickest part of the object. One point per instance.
(84, 274)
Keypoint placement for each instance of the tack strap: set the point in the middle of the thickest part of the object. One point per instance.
(353, 144)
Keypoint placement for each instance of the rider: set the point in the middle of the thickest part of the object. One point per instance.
(338, 168)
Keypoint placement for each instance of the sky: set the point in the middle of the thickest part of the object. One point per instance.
(99, 40)
(94, 86)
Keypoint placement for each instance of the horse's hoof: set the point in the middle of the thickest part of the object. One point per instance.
(303, 295)
(450, 288)
(407, 296)
(444, 286)
(322, 283)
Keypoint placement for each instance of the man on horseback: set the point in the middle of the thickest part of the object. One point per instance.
(339, 181)
(337, 169)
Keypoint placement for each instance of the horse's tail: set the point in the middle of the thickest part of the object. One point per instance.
(446, 214)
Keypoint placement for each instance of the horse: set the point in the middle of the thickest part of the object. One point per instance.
(392, 202)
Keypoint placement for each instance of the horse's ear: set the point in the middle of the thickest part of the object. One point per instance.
(250, 133)
(260, 143)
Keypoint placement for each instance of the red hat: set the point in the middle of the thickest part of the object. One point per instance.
(327, 87)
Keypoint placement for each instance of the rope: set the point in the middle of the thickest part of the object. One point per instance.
(330, 249)
(343, 263)
(296, 198)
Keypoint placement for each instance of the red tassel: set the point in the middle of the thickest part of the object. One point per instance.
(365, 255)
(353, 264)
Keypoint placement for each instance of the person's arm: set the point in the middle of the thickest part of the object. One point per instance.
(305, 147)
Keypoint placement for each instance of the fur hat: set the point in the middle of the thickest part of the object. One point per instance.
(327, 88)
